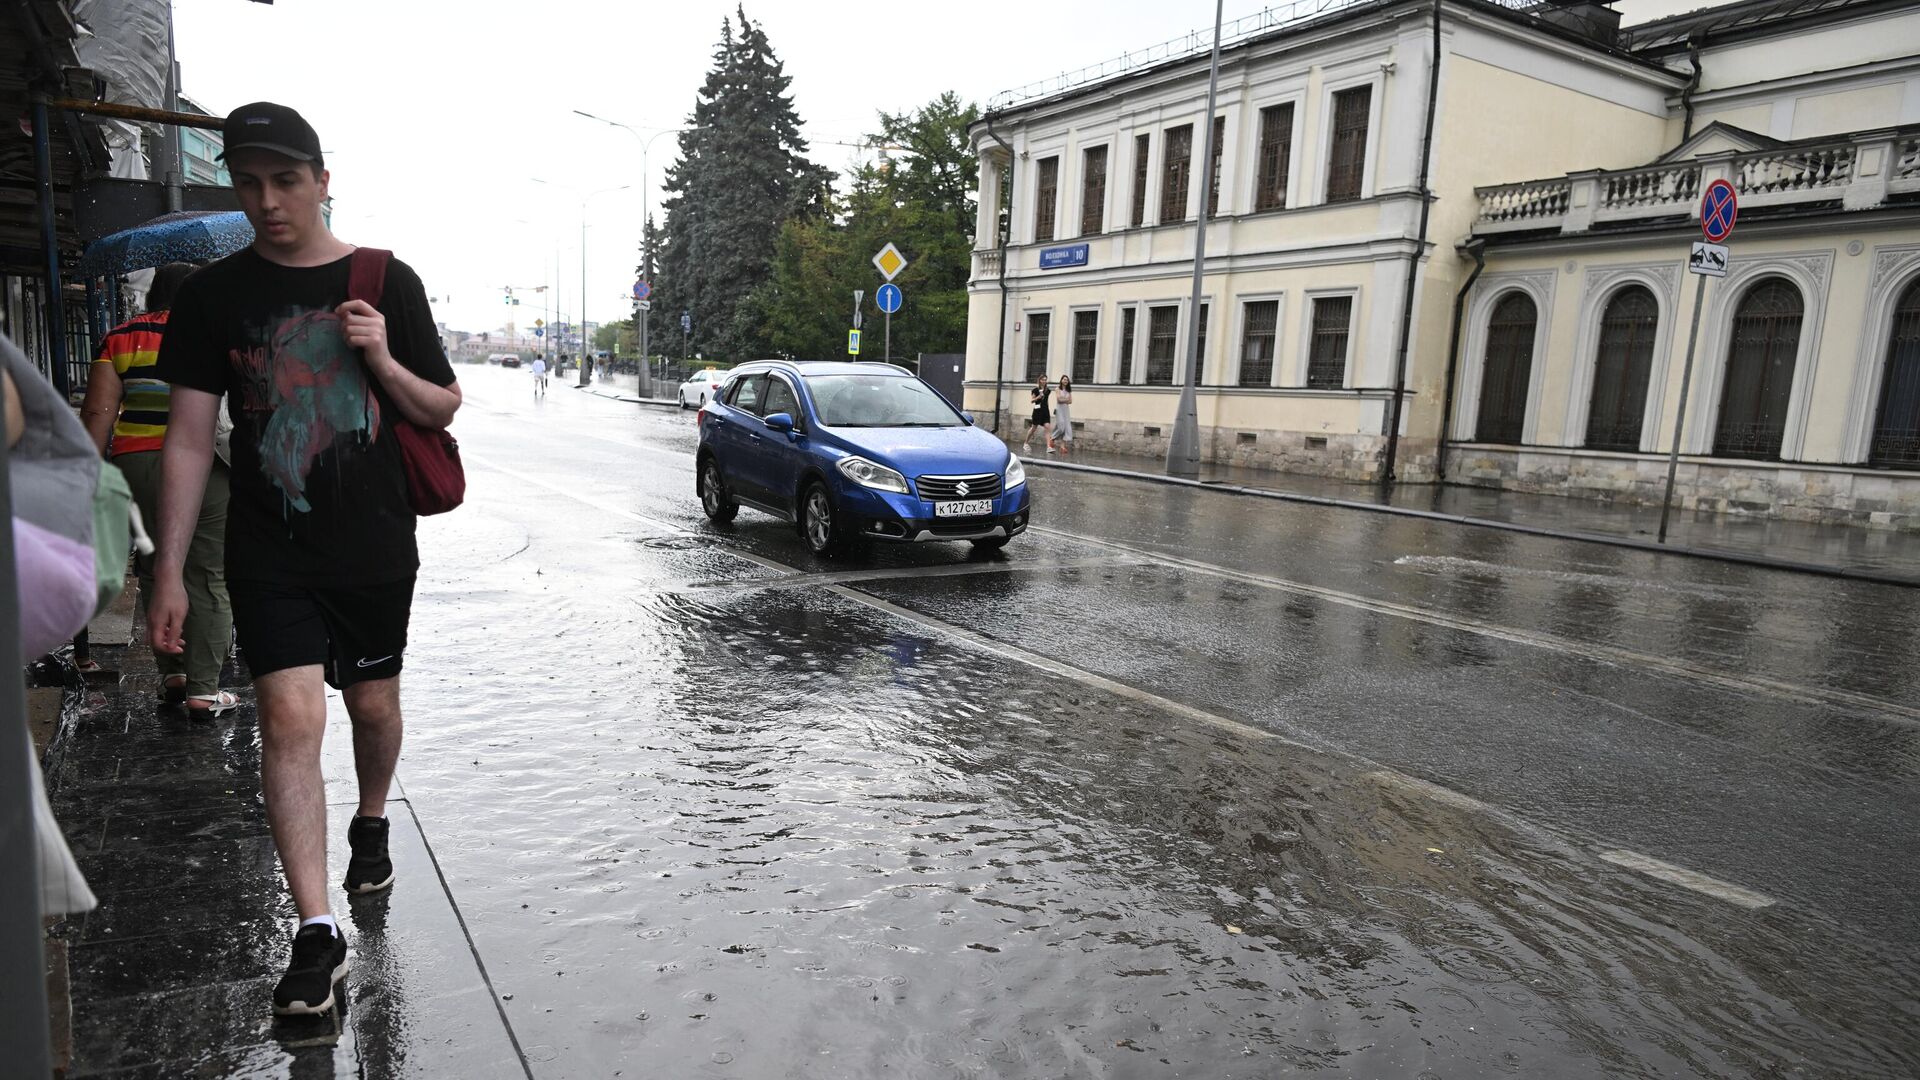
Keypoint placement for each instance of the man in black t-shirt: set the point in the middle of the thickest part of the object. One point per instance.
(320, 537)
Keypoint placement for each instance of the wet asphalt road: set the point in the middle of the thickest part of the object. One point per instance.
(1183, 785)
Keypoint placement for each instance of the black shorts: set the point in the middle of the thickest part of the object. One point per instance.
(357, 633)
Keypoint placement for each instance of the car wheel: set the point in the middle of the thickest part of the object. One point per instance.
(720, 507)
(703, 401)
(991, 543)
(819, 525)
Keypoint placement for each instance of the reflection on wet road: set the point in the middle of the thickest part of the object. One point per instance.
(1152, 795)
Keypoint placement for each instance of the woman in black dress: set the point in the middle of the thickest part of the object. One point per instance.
(1041, 394)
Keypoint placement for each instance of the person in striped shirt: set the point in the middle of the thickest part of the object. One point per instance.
(126, 413)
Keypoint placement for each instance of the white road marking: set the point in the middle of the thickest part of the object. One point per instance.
(806, 579)
(1743, 683)
(1688, 879)
(1429, 789)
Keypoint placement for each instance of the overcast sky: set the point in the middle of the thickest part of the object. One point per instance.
(437, 118)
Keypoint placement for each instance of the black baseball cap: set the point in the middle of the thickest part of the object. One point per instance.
(266, 126)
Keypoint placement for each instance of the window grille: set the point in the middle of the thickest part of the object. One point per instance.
(1163, 332)
(1276, 153)
(1093, 191)
(1896, 428)
(1508, 369)
(1086, 342)
(1256, 343)
(1759, 379)
(1175, 174)
(1621, 369)
(1327, 356)
(1347, 159)
(1039, 330)
(1045, 192)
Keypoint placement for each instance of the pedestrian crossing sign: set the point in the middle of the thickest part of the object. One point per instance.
(853, 343)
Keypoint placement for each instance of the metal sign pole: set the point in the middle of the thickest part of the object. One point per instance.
(888, 348)
(1680, 417)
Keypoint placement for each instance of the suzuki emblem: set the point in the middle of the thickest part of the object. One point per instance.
(962, 488)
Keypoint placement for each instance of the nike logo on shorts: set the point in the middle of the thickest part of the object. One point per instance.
(371, 663)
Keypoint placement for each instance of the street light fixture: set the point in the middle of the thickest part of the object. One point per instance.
(646, 143)
(584, 199)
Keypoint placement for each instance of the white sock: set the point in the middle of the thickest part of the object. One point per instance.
(326, 920)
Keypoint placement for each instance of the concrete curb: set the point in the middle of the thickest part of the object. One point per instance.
(664, 403)
(1821, 569)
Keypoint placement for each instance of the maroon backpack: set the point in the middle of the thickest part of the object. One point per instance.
(435, 481)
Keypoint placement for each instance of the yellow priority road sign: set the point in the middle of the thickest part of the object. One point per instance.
(889, 262)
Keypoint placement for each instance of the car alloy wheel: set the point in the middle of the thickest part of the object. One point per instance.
(816, 520)
(713, 496)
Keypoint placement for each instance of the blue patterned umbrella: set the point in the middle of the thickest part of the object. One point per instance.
(187, 236)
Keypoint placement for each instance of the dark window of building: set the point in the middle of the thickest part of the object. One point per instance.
(1200, 347)
(1759, 378)
(1163, 340)
(1256, 344)
(1214, 153)
(1140, 146)
(1621, 369)
(1128, 316)
(1347, 156)
(1327, 353)
(1086, 340)
(1045, 191)
(1896, 428)
(1508, 369)
(1093, 191)
(1039, 329)
(1276, 157)
(1175, 173)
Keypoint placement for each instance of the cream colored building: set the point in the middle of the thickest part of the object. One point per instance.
(1799, 103)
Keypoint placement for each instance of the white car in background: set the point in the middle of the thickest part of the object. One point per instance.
(702, 388)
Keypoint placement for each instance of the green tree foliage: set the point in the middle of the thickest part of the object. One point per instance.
(920, 197)
(651, 242)
(742, 171)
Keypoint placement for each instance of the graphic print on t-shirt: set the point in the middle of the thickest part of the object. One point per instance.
(314, 389)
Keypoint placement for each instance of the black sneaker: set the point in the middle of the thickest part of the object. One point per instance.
(319, 961)
(368, 868)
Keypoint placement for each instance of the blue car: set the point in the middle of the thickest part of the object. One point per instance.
(848, 451)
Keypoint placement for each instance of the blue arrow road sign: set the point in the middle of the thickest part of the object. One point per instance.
(888, 298)
(539, 331)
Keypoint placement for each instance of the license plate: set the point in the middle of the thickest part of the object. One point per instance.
(969, 508)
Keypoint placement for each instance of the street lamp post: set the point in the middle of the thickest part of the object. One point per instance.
(584, 199)
(1183, 449)
(646, 270)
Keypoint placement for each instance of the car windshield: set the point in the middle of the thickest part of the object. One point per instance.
(879, 401)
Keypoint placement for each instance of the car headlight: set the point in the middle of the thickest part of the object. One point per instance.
(875, 476)
(1016, 472)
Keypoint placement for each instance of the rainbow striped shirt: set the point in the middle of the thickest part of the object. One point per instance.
(132, 348)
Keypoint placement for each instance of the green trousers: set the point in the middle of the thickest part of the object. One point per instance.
(209, 629)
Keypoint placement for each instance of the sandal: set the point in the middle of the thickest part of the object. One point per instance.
(221, 702)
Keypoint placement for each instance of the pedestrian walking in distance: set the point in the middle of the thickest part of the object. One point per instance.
(1038, 420)
(320, 535)
(1061, 437)
(127, 407)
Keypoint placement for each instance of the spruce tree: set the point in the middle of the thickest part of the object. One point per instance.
(742, 172)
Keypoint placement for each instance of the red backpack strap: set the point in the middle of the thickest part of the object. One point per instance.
(367, 275)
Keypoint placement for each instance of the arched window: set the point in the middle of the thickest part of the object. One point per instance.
(1896, 427)
(1621, 370)
(1759, 379)
(1508, 369)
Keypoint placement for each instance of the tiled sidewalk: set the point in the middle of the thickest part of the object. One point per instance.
(172, 975)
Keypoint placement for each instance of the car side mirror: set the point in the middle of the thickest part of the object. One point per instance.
(781, 422)
(968, 417)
